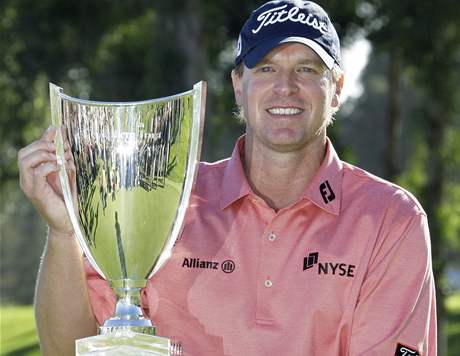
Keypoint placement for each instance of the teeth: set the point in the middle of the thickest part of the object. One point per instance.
(284, 111)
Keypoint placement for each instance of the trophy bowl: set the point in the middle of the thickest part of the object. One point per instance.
(135, 164)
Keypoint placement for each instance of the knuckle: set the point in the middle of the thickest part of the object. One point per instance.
(22, 165)
(45, 155)
(20, 153)
(37, 173)
(26, 189)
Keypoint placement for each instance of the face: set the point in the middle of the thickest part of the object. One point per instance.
(287, 99)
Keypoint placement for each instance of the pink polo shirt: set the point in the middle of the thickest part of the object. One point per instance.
(345, 270)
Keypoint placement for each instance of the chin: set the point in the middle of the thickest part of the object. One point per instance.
(283, 144)
(288, 141)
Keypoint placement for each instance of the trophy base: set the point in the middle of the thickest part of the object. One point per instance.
(126, 342)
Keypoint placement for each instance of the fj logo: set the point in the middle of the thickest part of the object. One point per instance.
(334, 268)
(326, 192)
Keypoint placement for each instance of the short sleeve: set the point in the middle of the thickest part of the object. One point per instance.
(101, 296)
(396, 306)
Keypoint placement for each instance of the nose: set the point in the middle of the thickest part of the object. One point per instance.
(286, 84)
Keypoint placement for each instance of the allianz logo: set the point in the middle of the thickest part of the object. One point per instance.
(227, 266)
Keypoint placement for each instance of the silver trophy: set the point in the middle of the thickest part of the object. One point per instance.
(135, 164)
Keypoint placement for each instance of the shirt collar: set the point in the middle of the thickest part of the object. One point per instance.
(324, 190)
(235, 185)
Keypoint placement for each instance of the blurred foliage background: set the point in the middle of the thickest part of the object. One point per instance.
(405, 126)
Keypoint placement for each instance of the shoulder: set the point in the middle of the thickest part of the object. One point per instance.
(206, 168)
(395, 217)
(374, 190)
(210, 176)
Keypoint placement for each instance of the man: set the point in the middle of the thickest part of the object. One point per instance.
(312, 256)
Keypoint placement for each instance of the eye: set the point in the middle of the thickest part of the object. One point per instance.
(266, 68)
(307, 69)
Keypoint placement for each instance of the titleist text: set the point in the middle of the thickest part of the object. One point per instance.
(279, 14)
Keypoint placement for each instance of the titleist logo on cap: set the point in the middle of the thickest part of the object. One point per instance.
(278, 15)
(281, 21)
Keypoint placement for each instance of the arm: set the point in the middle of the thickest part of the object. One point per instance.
(62, 308)
(397, 299)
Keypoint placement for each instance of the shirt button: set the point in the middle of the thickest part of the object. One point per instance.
(268, 283)
(272, 237)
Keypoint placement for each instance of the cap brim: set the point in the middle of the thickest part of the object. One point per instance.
(260, 51)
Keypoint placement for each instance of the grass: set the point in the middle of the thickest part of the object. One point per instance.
(17, 331)
(19, 338)
(453, 326)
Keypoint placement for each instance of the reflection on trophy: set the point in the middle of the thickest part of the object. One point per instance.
(135, 166)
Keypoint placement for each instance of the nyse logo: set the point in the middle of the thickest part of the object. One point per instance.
(310, 260)
(326, 192)
(328, 268)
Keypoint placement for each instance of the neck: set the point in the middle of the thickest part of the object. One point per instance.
(280, 178)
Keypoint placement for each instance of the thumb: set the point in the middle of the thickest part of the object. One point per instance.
(49, 134)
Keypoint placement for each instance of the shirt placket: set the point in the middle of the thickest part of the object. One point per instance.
(266, 281)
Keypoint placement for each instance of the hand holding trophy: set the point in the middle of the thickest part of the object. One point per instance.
(135, 166)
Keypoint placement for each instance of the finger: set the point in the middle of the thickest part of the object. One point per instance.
(70, 165)
(35, 146)
(28, 163)
(71, 169)
(64, 131)
(72, 173)
(34, 184)
(49, 134)
(40, 173)
(54, 181)
(66, 145)
(68, 155)
(36, 158)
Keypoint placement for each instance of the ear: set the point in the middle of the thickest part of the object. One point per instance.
(237, 87)
(338, 90)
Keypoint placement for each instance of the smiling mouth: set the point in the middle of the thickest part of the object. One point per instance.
(285, 111)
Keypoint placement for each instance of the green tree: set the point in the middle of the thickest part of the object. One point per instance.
(422, 39)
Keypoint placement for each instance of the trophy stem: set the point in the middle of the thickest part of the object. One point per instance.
(128, 326)
(128, 310)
